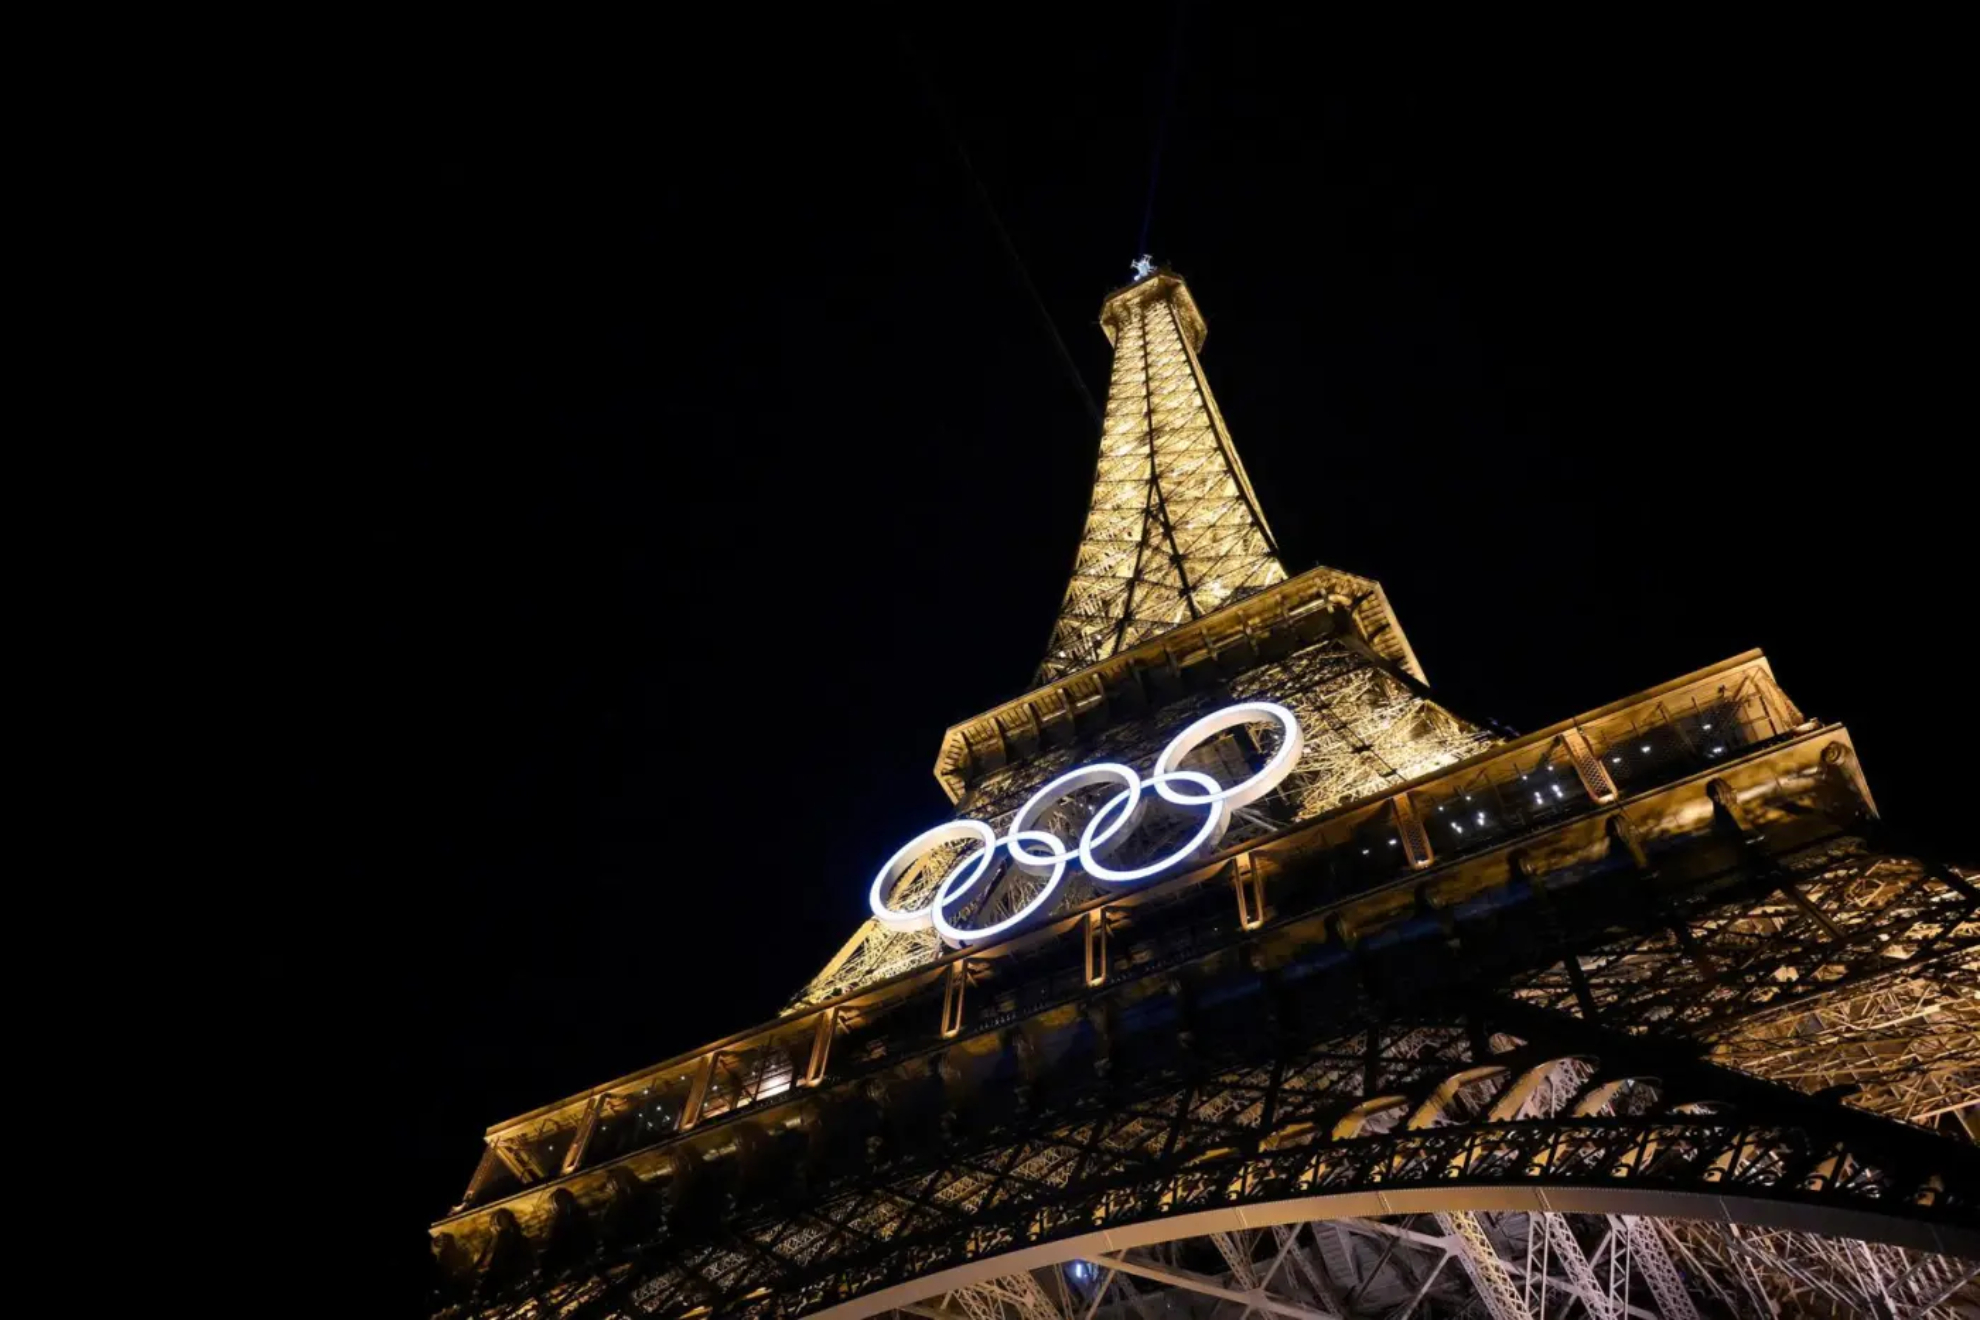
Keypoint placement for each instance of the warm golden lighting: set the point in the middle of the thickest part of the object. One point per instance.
(1174, 531)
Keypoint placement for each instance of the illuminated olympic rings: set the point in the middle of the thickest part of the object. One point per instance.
(1040, 853)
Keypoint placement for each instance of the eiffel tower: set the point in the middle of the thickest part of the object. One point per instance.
(1341, 1006)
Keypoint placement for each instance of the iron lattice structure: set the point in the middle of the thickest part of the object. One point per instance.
(1174, 531)
(1646, 1014)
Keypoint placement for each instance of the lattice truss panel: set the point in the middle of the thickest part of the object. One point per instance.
(1796, 997)
(1909, 1047)
(1365, 732)
(1173, 533)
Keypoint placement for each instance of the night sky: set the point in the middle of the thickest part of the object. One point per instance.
(729, 459)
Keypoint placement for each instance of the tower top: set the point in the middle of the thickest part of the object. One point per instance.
(1160, 284)
(1174, 531)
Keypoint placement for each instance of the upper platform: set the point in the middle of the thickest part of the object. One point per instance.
(1271, 623)
(1124, 305)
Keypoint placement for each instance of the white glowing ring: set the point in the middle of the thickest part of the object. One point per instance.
(1090, 843)
(1065, 784)
(919, 918)
(1250, 790)
(975, 866)
(1117, 817)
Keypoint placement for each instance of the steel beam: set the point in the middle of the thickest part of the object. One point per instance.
(1174, 1278)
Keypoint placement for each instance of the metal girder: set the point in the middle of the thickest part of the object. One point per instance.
(1799, 1271)
(1653, 1261)
(1566, 1248)
(987, 1300)
(1480, 1259)
(1255, 1298)
(1536, 1280)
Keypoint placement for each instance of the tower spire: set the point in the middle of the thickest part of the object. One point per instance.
(1174, 530)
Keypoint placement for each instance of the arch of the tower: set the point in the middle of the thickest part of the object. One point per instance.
(1459, 1231)
(1392, 1141)
(1541, 1175)
(1495, 1252)
(1532, 1245)
(1392, 1163)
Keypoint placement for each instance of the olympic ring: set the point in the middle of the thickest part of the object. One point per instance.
(1216, 722)
(977, 864)
(1116, 818)
(1058, 788)
(1213, 827)
(912, 851)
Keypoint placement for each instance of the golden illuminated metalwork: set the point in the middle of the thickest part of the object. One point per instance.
(1638, 1015)
(1174, 531)
(1906, 1046)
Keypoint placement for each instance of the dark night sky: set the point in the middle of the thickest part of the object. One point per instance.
(727, 460)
